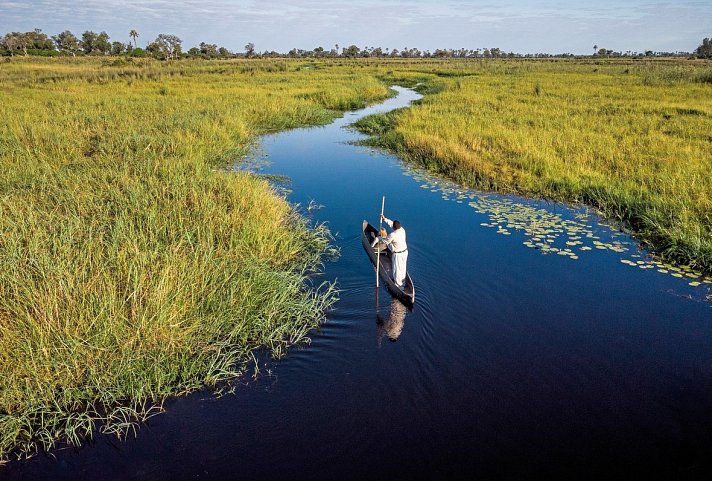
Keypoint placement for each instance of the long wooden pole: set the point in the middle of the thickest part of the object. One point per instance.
(380, 226)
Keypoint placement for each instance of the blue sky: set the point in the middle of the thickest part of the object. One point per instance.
(524, 26)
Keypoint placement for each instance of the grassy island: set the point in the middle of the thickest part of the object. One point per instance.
(631, 138)
(133, 265)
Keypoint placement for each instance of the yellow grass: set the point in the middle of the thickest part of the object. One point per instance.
(133, 266)
(632, 139)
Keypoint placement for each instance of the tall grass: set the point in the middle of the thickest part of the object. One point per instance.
(629, 138)
(132, 265)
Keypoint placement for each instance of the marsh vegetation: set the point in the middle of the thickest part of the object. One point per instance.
(134, 266)
(631, 139)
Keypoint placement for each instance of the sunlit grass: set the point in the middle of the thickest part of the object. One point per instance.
(133, 266)
(629, 138)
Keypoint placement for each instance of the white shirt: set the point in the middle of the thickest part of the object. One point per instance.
(396, 239)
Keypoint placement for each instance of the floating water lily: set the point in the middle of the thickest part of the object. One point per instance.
(550, 232)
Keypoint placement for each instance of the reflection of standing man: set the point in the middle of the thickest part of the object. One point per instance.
(393, 326)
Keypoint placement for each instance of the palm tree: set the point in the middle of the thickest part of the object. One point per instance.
(595, 49)
(134, 35)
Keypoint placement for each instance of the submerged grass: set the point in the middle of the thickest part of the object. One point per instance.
(132, 266)
(631, 139)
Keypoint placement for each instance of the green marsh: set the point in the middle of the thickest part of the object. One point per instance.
(133, 265)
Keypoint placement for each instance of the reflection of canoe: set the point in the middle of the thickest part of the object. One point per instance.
(405, 295)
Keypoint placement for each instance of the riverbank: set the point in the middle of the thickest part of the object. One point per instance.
(132, 266)
(630, 138)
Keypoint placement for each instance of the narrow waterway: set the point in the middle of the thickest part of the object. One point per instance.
(542, 343)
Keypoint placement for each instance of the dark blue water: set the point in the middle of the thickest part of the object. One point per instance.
(517, 362)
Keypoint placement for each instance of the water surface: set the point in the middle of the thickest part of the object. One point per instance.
(518, 361)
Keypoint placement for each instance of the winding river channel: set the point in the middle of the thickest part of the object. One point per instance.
(543, 342)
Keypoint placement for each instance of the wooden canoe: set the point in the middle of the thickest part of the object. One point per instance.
(405, 295)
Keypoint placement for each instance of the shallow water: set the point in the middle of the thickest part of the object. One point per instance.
(521, 359)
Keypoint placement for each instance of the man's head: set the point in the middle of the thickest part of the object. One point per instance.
(396, 225)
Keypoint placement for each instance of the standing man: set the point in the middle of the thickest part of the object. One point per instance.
(396, 243)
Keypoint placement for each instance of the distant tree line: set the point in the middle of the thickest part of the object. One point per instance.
(169, 47)
(705, 50)
(354, 51)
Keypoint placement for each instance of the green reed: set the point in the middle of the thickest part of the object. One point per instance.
(133, 264)
(630, 138)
